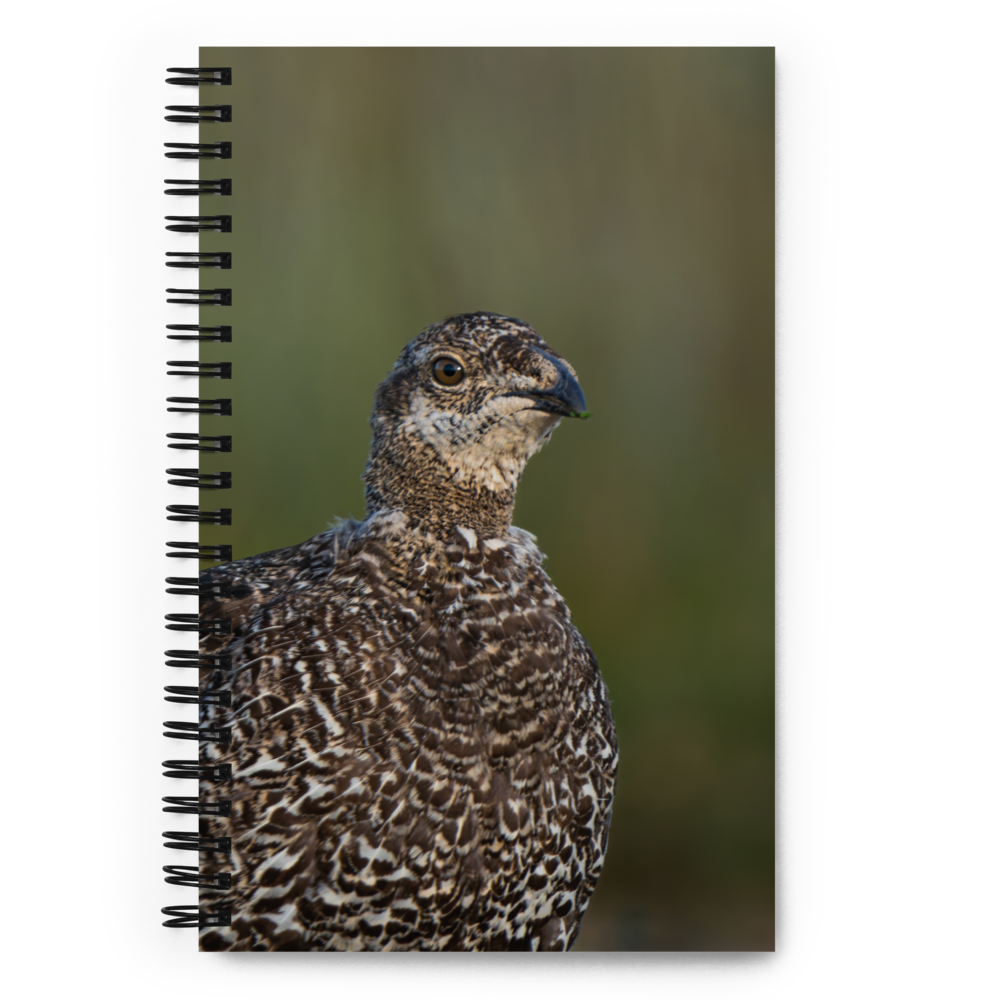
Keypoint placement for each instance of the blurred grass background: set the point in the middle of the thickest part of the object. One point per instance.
(622, 202)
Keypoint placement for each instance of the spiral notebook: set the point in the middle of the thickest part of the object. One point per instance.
(348, 775)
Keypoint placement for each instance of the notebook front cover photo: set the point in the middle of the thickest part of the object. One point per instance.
(492, 665)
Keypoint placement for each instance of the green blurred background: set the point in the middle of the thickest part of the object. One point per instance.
(622, 202)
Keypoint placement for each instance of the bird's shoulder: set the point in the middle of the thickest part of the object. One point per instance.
(239, 590)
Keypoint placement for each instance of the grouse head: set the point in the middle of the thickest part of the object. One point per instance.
(467, 404)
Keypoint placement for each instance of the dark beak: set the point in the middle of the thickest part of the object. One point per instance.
(565, 398)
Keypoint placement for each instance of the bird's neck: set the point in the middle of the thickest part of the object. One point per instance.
(411, 477)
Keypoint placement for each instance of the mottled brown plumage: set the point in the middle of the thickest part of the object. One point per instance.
(423, 751)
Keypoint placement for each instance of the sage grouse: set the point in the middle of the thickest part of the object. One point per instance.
(423, 754)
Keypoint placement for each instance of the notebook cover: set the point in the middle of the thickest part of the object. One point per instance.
(506, 187)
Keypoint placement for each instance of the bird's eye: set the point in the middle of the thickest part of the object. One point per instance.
(448, 371)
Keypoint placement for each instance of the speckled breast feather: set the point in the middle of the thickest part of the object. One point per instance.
(422, 746)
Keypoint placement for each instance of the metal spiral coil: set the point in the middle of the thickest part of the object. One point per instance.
(179, 840)
(196, 479)
(192, 586)
(219, 334)
(221, 185)
(179, 694)
(192, 805)
(203, 626)
(221, 553)
(206, 369)
(191, 731)
(212, 150)
(193, 770)
(192, 113)
(218, 407)
(202, 296)
(182, 441)
(220, 76)
(190, 512)
(182, 916)
(223, 261)
(200, 223)
(188, 875)
(194, 658)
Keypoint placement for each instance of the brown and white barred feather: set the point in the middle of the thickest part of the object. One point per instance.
(423, 751)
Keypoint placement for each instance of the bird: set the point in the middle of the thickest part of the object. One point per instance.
(423, 755)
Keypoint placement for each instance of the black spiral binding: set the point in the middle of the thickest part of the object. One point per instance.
(189, 875)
